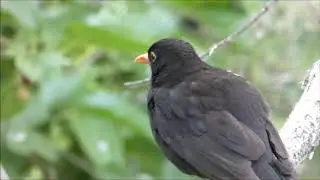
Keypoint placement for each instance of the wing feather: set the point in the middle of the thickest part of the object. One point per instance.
(212, 141)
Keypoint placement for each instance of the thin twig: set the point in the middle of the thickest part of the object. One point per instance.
(224, 41)
(242, 29)
(137, 83)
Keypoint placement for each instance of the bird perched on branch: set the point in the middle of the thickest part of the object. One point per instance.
(209, 122)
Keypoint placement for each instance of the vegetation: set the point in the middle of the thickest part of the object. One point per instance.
(65, 113)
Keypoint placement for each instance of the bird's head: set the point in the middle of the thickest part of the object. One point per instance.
(170, 57)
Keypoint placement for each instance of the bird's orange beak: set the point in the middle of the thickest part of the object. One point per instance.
(143, 59)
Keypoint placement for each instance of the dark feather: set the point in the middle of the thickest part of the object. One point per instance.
(210, 122)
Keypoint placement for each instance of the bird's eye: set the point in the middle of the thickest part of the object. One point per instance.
(153, 56)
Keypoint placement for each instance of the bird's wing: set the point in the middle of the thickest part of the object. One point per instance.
(246, 104)
(212, 140)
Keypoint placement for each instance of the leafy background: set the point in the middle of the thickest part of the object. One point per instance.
(65, 113)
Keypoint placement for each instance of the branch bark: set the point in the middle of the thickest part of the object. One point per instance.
(301, 132)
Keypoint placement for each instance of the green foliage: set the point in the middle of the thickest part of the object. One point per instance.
(65, 113)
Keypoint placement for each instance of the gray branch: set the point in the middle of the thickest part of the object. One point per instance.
(301, 132)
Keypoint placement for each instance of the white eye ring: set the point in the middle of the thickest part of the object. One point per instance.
(153, 56)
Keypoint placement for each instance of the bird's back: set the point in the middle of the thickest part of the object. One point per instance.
(217, 90)
(247, 105)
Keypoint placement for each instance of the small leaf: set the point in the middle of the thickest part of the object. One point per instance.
(98, 138)
(116, 15)
(118, 108)
(13, 164)
(10, 102)
(103, 37)
(60, 90)
(142, 154)
(52, 93)
(171, 172)
(24, 11)
(60, 137)
(25, 143)
(43, 65)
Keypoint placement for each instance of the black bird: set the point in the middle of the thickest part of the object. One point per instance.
(209, 122)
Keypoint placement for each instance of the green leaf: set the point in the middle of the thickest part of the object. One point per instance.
(54, 93)
(136, 17)
(25, 143)
(142, 155)
(171, 172)
(60, 137)
(24, 11)
(62, 89)
(98, 138)
(103, 37)
(13, 163)
(10, 102)
(44, 65)
(119, 109)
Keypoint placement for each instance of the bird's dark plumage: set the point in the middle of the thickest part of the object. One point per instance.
(209, 122)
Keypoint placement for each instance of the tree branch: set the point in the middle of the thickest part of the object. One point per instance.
(219, 44)
(301, 132)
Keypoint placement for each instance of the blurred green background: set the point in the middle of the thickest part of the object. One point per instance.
(65, 113)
